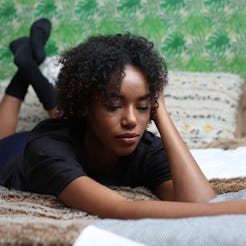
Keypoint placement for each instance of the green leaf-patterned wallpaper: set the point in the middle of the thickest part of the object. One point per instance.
(193, 35)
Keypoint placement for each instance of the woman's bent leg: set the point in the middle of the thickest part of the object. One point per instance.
(9, 113)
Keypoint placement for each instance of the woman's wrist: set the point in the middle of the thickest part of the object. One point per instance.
(161, 113)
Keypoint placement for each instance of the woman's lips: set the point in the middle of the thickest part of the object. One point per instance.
(128, 138)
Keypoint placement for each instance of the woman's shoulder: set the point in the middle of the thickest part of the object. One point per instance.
(49, 126)
(58, 128)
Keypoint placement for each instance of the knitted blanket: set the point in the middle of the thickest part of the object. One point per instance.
(28, 219)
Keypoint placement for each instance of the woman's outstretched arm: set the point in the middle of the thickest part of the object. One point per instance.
(189, 183)
(87, 195)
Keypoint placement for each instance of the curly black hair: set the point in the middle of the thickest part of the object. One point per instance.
(98, 63)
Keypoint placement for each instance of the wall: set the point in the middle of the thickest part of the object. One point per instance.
(193, 35)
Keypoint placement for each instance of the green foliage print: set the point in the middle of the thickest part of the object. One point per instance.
(172, 5)
(7, 11)
(126, 5)
(197, 24)
(86, 8)
(46, 9)
(174, 43)
(216, 4)
(218, 42)
(192, 35)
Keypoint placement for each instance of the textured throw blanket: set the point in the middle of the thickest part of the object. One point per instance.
(218, 230)
(28, 219)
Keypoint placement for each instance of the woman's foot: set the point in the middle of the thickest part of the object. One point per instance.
(16, 44)
(21, 48)
(39, 34)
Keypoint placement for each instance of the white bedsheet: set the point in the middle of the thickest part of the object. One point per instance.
(95, 236)
(219, 163)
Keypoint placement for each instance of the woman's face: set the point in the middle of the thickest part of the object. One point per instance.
(115, 127)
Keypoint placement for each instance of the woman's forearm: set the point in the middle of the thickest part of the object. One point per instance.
(189, 182)
(163, 209)
(88, 195)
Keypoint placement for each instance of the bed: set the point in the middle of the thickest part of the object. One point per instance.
(209, 110)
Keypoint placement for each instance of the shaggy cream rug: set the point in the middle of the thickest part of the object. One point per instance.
(34, 219)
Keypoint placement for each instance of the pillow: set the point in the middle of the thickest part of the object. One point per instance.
(203, 106)
(241, 115)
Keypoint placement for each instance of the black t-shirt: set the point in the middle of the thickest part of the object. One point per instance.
(53, 157)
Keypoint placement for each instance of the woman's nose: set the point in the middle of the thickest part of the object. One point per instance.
(129, 119)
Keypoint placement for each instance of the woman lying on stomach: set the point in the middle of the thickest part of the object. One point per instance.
(109, 88)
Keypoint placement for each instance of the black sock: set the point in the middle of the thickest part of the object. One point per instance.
(21, 49)
(17, 86)
(30, 72)
(16, 44)
(39, 34)
(40, 84)
(43, 88)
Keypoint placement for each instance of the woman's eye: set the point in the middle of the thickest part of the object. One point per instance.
(143, 108)
(112, 107)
